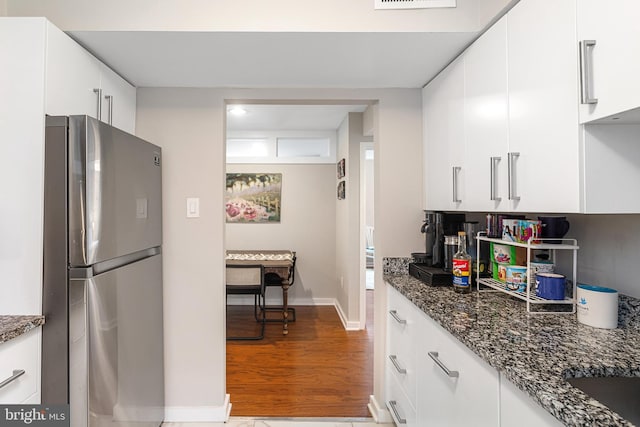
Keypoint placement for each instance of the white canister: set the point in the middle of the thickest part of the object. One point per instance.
(597, 306)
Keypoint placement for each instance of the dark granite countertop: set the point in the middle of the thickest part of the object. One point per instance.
(14, 326)
(536, 352)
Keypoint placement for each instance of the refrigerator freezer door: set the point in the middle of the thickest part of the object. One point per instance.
(115, 194)
(116, 347)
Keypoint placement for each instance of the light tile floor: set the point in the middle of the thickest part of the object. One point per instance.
(246, 422)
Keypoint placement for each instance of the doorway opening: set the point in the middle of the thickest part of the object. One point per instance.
(271, 138)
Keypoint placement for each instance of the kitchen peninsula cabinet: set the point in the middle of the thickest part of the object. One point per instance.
(613, 62)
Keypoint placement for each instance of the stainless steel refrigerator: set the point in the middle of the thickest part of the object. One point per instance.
(102, 344)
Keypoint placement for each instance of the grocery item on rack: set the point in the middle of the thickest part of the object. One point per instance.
(516, 278)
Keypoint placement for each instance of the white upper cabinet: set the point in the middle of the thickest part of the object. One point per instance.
(72, 75)
(486, 120)
(77, 83)
(118, 100)
(612, 64)
(543, 119)
(443, 109)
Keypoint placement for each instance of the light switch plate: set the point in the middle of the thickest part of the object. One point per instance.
(193, 207)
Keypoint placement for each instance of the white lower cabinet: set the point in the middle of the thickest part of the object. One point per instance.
(21, 354)
(445, 383)
(455, 387)
(519, 410)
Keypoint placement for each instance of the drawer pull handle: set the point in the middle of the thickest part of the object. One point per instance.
(13, 377)
(397, 318)
(394, 407)
(434, 356)
(394, 360)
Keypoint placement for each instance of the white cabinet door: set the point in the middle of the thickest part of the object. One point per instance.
(443, 109)
(21, 354)
(118, 100)
(543, 118)
(486, 120)
(519, 410)
(22, 45)
(72, 76)
(614, 59)
(456, 388)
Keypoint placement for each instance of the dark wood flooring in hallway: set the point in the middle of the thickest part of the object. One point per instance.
(318, 370)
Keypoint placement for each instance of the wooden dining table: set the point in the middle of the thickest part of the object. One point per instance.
(280, 262)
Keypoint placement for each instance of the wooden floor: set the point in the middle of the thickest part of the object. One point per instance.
(318, 370)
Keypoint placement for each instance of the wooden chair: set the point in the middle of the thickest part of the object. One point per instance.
(274, 279)
(247, 280)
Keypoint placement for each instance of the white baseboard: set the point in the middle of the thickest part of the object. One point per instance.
(186, 414)
(248, 300)
(379, 414)
(348, 325)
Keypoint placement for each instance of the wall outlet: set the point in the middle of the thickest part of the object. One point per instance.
(341, 282)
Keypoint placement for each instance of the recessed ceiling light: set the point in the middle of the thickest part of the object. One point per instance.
(237, 111)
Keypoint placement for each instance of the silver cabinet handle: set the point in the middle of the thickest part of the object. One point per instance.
(434, 356)
(494, 172)
(109, 99)
(456, 170)
(512, 176)
(397, 318)
(393, 404)
(394, 360)
(16, 373)
(586, 72)
(99, 109)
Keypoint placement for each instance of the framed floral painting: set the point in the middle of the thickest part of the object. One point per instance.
(253, 197)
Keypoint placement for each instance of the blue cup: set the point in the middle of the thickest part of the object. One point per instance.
(550, 286)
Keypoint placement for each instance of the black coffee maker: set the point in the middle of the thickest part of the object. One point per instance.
(428, 266)
(445, 224)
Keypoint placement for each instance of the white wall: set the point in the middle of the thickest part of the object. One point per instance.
(254, 15)
(608, 254)
(348, 225)
(188, 124)
(307, 226)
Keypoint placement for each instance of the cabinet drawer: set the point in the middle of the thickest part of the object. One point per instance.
(398, 404)
(404, 374)
(21, 353)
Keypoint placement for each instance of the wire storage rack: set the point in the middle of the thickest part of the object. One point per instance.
(529, 295)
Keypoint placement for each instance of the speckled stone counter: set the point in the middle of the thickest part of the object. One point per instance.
(14, 326)
(537, 352)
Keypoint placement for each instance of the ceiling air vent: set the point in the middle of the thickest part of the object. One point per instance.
(413, 4)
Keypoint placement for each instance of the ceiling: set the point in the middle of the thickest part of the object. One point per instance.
(275, 59)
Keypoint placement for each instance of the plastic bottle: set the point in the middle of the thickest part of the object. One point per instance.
(462, 266)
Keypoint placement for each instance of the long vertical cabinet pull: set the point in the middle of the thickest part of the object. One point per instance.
(98, 92)
(586, 72)
(512, 178)
(456, 171)
(494, 172)
(109, 99)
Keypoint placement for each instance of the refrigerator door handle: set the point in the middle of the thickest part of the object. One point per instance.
(105, 266)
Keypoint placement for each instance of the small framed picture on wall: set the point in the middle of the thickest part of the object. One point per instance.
(341, 168)
(341, 190)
